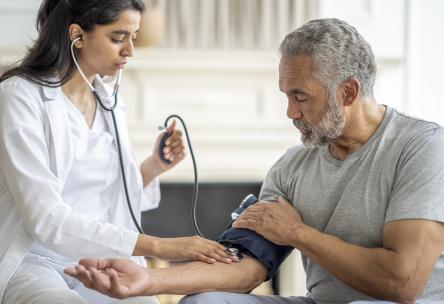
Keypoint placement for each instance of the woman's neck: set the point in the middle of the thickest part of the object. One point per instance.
(76, 88)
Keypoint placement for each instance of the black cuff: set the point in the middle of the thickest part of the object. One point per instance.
(270, 254)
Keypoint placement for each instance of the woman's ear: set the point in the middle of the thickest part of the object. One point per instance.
(76, 33)
(351, 90)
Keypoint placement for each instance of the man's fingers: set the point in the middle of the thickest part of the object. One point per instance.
(251, 214)
(116, 289)
(282, 200)
(84, 275)
(247, 224)
(89, 263)
(100, 281)
(96, 263)
(71, 271)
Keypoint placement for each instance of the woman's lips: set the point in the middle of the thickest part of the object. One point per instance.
(121, 65)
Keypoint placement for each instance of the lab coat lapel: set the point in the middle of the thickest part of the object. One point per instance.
(121, 126)
(118, 112)
(57, 133)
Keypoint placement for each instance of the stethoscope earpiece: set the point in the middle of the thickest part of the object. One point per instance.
(91, 87)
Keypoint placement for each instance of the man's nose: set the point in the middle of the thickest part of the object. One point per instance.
(293, 111)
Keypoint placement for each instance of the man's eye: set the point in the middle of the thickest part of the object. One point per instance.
(300, 98)
(117, 40)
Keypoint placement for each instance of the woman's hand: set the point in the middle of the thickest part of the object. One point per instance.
(192, 248)
(174, 151)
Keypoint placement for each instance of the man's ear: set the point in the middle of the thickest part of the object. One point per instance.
(351, 88)
(76, 32)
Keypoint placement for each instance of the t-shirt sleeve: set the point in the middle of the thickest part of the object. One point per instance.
(418, 191)
(275, 183)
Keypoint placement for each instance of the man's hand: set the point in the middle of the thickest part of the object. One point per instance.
(277, 222)
(192, 248)
(114, 277)
(123, 278)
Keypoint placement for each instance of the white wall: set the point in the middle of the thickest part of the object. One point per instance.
(382, 24)
(17, 21)
(425, 59)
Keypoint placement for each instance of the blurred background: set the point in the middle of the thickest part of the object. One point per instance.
(214, 62)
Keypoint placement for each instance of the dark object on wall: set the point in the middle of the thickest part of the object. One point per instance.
(216, 202)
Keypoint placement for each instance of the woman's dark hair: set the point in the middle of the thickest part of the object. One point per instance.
(48, 62)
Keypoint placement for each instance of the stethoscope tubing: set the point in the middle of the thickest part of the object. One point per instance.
(111, 109)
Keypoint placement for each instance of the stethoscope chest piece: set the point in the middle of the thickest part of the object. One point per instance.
(233, 251)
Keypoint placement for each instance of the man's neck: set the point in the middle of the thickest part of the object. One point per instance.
(363, 119)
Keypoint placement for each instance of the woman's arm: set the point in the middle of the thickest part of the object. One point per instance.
(36, 190)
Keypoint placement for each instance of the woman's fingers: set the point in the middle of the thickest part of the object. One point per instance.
(175, 138)
(174, 149)
(172, 127)
(204, 258)
(217, 252)
(220, 257)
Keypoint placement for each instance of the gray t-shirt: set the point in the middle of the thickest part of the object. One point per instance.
(397, 174)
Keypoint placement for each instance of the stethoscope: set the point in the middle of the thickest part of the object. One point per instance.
(111, 108)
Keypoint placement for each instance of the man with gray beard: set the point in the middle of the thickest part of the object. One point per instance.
(362, 199)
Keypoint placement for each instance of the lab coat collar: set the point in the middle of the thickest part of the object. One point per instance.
(50, 93)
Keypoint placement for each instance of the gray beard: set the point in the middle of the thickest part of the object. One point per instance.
(328, 129)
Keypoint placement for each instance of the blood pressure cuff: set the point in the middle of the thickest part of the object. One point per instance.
(255, 245)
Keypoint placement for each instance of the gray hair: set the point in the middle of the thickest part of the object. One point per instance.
(338, 52)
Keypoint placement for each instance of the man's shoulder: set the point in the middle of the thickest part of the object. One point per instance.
(295, 155)
(412, 126)
(292, 153)
(404, 131)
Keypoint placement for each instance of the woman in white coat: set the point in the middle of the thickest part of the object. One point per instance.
(61, 193)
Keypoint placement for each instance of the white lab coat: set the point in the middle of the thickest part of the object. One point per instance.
(36, 153)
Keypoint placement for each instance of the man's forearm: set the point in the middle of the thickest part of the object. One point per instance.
(377, 272)
(196, 277)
